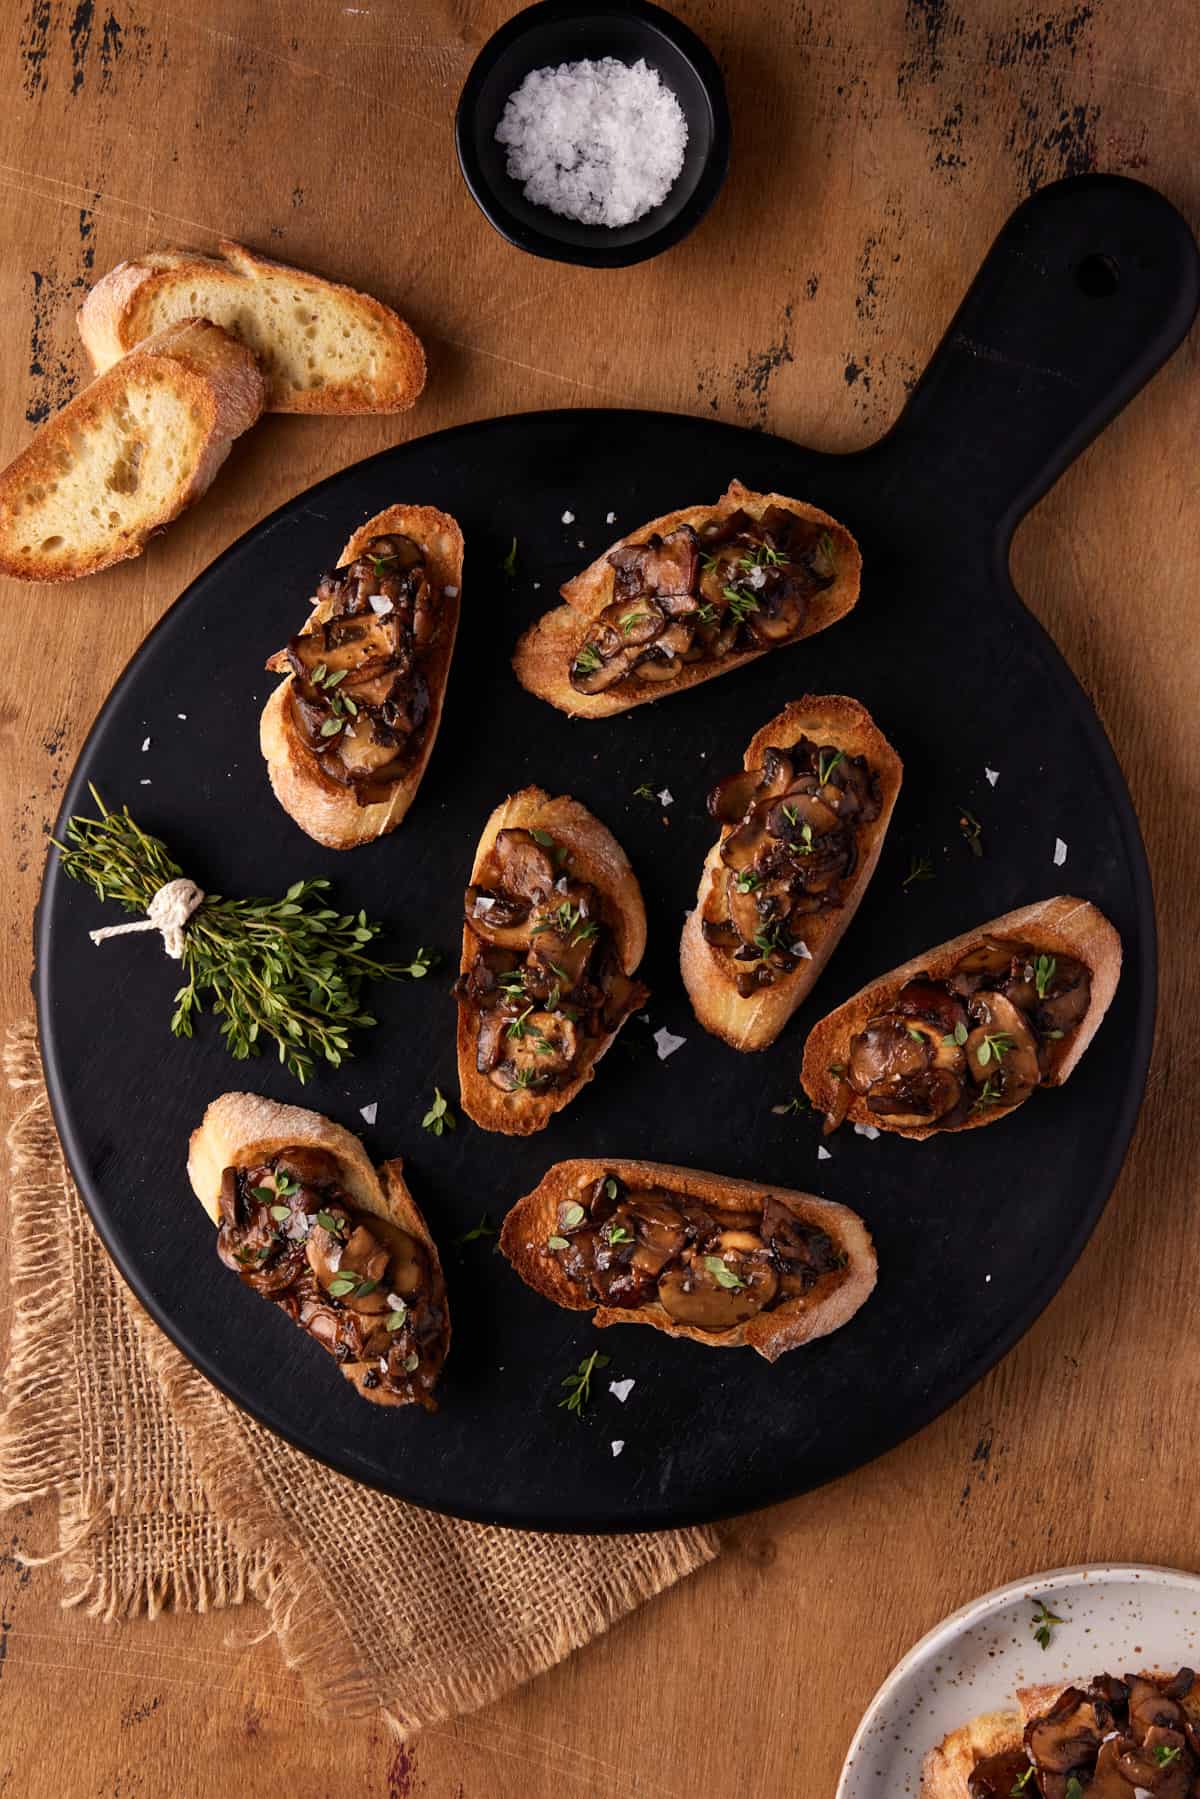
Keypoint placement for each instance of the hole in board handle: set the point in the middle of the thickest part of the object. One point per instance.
(1098, 276)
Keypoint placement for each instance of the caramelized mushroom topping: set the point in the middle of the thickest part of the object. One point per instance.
(1121, 1739)
(982, 1038)
(359, 694)
(546, 981)
(707, 1267)
(740, 584)
(789, 849)
(366, 1290)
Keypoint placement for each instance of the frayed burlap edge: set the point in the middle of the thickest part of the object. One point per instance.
(302, 1612)
(123, 1551)
(256, 1504)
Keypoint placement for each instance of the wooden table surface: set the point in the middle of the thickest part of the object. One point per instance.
(878, 147)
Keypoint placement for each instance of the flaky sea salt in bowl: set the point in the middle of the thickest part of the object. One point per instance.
(595, 135)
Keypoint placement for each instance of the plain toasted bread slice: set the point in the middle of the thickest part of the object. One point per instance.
(241, 1129)
(545, 652)
(322, 347)
(825, 1307)
(321, 806)
(1063, 925)
(125, 456)
(597, 858)
(710, 973)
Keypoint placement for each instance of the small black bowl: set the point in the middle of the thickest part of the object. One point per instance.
(559, 31)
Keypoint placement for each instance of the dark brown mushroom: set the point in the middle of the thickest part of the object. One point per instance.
(713, 1290)
(1067, 1736)
(996, 1776)
(887, 1051)
(1001, 1048)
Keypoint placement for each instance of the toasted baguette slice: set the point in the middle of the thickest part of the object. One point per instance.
(125, 456)
(329, 812)
(545, 652)
(321, 346)
(825, 1307)
(596, 857)
(1063, 925)
(240, 1129)
(947, 1767)
(710, 973)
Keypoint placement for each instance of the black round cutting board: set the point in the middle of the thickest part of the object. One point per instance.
(1087, 290)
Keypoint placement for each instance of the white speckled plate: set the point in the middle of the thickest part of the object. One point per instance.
(1115, 1618)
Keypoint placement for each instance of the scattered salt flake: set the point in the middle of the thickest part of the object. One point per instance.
(1060, 852)
(618, 1445)
(536, 585)
(610, 518)
(801, 949)
(986, 1279)
(380, 604)
(993, 775)
(622, 1388)
(182, 715)
(397, 1304)
(643, 1018)
(666, 797)
(667, 1044)
(451, 593)
(866, 1130)
(568, 518)
(371, 1112)
(146, 782)
(580, 542)
(145, 745)
(823, 1154)
(756, 577)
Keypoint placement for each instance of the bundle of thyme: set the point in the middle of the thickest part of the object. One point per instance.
(288, 971)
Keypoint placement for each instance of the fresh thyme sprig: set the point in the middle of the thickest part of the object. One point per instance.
(1043, 1624)
(485, 1228)
(579, 1384)
(439, 1119)
(288, 971)
(920, 868)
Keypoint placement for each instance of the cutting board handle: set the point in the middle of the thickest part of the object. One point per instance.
(1090, 286)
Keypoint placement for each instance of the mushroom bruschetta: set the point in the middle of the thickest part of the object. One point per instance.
(687, 597)
(305, 1220)
(348, 733)
(802, 825)
(1113, 1739)
(962, 1035)
(553, 931)
(725, 1262)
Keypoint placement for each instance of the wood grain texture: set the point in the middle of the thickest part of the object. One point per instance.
(878, 148)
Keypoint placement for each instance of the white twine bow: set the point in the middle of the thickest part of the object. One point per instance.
(167, 912)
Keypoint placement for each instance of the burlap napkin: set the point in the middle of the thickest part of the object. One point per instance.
(169, 1496)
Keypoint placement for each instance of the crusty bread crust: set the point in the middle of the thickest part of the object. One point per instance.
(545, 651)
(240, 1129)
(1063, 925)
(116, 316)
(321, 806)
(947, 1767)
(826, 1307)
(596, 857)
(709, 973)
(214, 375)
